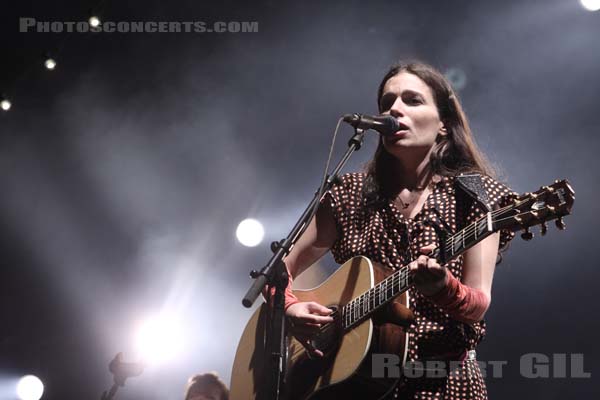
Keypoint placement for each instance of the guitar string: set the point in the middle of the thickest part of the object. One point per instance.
(395, 279)
(334, 314)
(473, 226)
(328, 326)
(469, 230)
(368, 296)
(377, 290)
(358, 303)
(400, 274)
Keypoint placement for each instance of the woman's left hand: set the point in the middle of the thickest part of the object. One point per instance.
(429, 277)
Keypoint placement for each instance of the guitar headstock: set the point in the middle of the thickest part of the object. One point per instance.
(551, 202)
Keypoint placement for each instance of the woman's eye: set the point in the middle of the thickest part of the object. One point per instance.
(414, 100)
(386, 102)
(385, 107)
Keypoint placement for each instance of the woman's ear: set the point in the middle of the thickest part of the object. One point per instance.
(443, 130)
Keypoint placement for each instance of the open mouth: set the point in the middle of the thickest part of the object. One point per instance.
(402, 127)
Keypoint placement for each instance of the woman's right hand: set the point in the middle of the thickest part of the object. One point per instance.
(306, 319)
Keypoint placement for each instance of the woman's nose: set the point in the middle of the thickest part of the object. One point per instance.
(397, 109)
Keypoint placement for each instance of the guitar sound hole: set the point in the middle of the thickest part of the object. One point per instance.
(327, 339)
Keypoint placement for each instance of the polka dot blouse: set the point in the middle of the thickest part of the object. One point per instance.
(384, 235)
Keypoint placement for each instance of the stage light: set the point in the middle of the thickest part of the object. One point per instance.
(457, 78)
(159, 340)
(50, 63)
(591, 5)
(5, 104)
(250, 232)
(94, 21)
(30, 387)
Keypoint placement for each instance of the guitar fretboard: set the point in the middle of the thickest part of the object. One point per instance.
(400, 281)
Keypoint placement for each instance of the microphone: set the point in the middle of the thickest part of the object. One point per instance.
(385, 125)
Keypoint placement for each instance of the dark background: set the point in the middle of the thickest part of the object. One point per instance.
(125, 171)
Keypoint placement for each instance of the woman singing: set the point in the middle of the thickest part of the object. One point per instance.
(389, 214)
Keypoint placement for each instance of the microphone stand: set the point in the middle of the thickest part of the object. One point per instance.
(274, 273)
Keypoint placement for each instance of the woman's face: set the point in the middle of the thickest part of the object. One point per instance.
(407, 98)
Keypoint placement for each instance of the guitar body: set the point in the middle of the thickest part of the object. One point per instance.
(371, 310)
(345, 370)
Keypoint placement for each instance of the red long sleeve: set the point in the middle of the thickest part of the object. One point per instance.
(290, 298)
(461, 302)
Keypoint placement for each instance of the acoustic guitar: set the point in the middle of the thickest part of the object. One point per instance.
(370, 310)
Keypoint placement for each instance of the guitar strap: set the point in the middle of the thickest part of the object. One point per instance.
(472, 186)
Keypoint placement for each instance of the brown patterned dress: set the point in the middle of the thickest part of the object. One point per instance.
(385, 236)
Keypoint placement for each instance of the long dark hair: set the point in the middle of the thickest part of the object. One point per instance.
(452, 154)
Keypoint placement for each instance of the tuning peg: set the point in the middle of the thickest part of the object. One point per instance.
(543, 228)
(548, 188)
(527, 235)
(560, 224)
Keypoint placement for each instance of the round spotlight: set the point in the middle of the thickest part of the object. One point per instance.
(250, 232)
(5, 104)
(50, 63)
(591, 5)
(94, 21)
(30, 387)
(159, 339)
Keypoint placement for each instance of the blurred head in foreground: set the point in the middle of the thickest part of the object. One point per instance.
(206, 387)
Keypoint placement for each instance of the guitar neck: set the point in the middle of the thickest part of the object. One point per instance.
(457, 244)
(363, 306)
